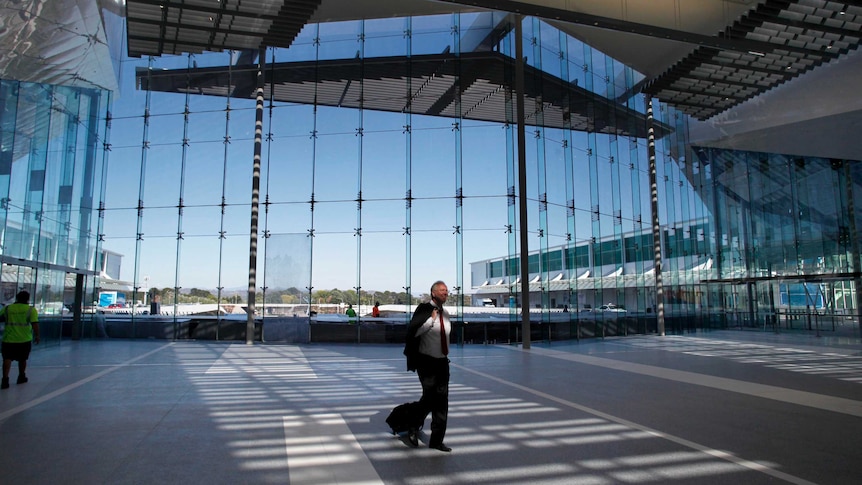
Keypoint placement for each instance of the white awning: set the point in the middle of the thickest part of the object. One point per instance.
(115, 285)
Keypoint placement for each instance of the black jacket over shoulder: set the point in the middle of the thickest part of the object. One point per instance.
(411, 346)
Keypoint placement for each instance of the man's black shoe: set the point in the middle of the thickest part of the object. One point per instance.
(22, 379)
(441, 447)
(5, 383)
(413, 437)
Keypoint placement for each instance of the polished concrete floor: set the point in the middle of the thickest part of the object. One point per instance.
(709, 408)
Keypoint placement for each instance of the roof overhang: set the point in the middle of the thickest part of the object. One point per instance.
(703, 57)
(157, 27)
(474, 86)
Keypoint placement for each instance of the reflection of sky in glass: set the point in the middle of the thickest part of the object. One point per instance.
(337, 164)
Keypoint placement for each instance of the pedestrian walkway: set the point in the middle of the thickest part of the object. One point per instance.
(724, 407)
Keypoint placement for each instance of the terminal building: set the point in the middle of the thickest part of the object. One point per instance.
(697, 160)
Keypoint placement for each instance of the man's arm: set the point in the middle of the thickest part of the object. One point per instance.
(411, 346)
(420, 316)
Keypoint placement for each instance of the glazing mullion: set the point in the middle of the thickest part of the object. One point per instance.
(541, 174)
(616, 191)
(313, 135)
(833, 247)
(753, 228)
(592, 163)
(838, 261)
(635, 178)
(688, 208)
(719, 214)
(83, 258)
(223, 205)
(794, 198)
(182, 182)
(851, 172)
(457, 132)
(806, 227)
(698, 231)
(686, 217)
(846, 246)
(268, 140)
(103, 186)
(570, 266)
(746, 255)
(511, 267)
(360, 134)
(408, 161)
(670, 271)
(145, 146)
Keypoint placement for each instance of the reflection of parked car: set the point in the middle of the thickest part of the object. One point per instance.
(610, 307)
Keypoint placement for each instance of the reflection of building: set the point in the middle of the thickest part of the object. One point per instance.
(616, 270)
(777, 226)
(364, 102)
(112, 263)
(112, 290)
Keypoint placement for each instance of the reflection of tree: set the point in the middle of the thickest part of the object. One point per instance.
(203, 294)
(364, 297)
(195, 295)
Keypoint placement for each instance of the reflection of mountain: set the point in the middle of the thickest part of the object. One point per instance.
(233, 289)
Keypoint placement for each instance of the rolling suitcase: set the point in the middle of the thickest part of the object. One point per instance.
(404, 416)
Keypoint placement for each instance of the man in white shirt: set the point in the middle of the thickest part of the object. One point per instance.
(429, 331)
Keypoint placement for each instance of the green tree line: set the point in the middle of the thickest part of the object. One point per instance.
(288, 296)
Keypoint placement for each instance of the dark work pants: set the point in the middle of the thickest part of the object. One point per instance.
(434, 376)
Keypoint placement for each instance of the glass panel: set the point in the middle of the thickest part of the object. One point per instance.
(336, 164)
(200, 259)
(288, 262)
(383, 169)
(385, 37)
(290, 155)
(164, 165)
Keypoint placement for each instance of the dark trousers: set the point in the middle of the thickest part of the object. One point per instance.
(434, 376)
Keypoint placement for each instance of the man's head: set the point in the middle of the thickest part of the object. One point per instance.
(22, 296)
(439, 292)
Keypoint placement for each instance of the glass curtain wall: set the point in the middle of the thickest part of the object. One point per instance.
(364, 205)
(376, 182)
(49, 173)
(787, 249)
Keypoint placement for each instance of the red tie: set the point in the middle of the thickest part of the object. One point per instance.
(444, 342)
